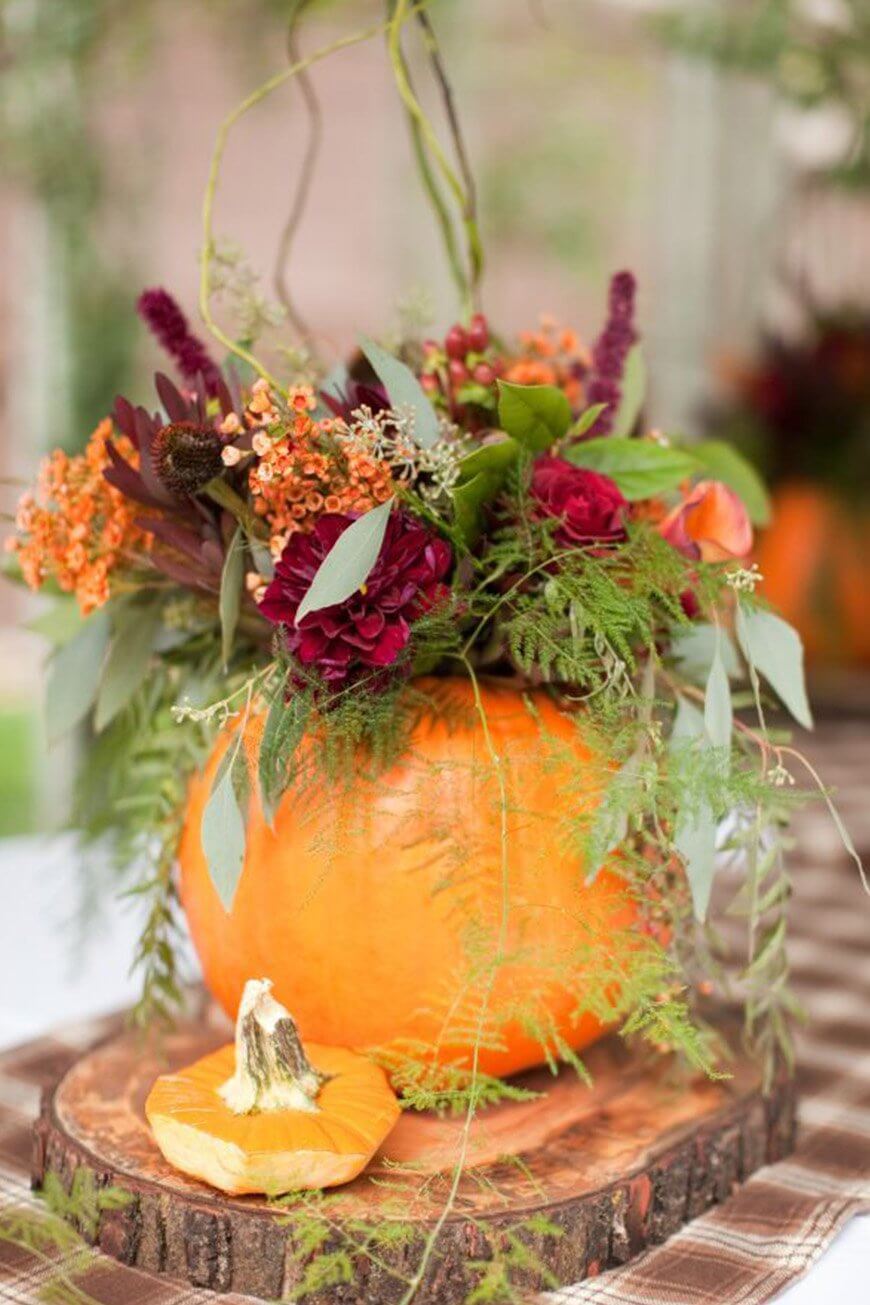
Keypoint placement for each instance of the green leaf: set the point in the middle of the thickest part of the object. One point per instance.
(588, 420)
(481, 475)
(694, 649)
(774, 649)
(229, 605)
(222, 830)
(845, 837)
(74, 675)
(349, 562)
(633, 393)
(721, 461)
(58, 623)
(695, 841)
(285, 727)
(640, 468)
(136, 627)
(262, 558)
(469, 500)
(335, 381)
(688, 723)
(718, 710)
(497, 457)
(404, 390)
(534, 415)
(610, 825)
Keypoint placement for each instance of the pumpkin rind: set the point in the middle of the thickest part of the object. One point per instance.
(362, 903)
(272, 1151)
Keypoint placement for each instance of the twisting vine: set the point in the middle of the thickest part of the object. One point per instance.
(256, 97)
(425, 142)
(302, 188)
(460, 184)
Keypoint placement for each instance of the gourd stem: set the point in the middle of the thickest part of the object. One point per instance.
(272, 1070)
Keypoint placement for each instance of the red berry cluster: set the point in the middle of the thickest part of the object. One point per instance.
(460, 368)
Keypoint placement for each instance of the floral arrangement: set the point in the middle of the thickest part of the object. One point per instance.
(446, 648)
(316, 548)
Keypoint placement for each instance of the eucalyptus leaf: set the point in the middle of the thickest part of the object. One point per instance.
(59, 623)
(633, 394)
(74, 675)
(283, 732)
(694, 648)
(718, 710)
(695, 841)
(335, 381)
(349, 562)
(611, 819)
(688, 723)
(404, 390)
(721, 461)
(229, 604)
(262, 558)
(222, 830)
(641, 468)
(534, 415)
(774, 649)
(136, 626)
(846, 838)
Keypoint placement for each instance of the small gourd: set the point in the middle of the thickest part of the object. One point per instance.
(268, 1115)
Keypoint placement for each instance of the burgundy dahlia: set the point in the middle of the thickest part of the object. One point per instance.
(168, 323)
(371, 628)
(611, 350)
(590, 506)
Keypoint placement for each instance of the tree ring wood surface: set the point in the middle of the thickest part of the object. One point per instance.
(615, 1168)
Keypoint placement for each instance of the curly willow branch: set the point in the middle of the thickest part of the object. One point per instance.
(302, 188)
(261, 93)
(431, 186)
(461, 187)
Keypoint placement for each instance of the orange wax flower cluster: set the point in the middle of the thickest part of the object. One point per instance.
(307, 472)
(554, 355)
(77, 526)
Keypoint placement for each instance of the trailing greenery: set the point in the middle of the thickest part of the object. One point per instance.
(53, 1236)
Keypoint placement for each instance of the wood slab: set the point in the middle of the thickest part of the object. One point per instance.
(615, 1168)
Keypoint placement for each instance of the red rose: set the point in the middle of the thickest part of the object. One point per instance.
(368, 630)
(590, 506)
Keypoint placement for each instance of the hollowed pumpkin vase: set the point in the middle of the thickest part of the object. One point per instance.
(433, 909)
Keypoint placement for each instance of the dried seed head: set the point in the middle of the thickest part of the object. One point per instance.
(187, 456)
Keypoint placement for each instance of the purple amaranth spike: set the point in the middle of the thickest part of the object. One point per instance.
(168, 323)
(611, 350)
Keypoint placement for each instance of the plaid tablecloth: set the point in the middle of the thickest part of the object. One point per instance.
(741, 1253)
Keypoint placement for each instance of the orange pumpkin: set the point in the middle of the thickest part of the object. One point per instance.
(379, 906)
(269, 1115)
(815, 559)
